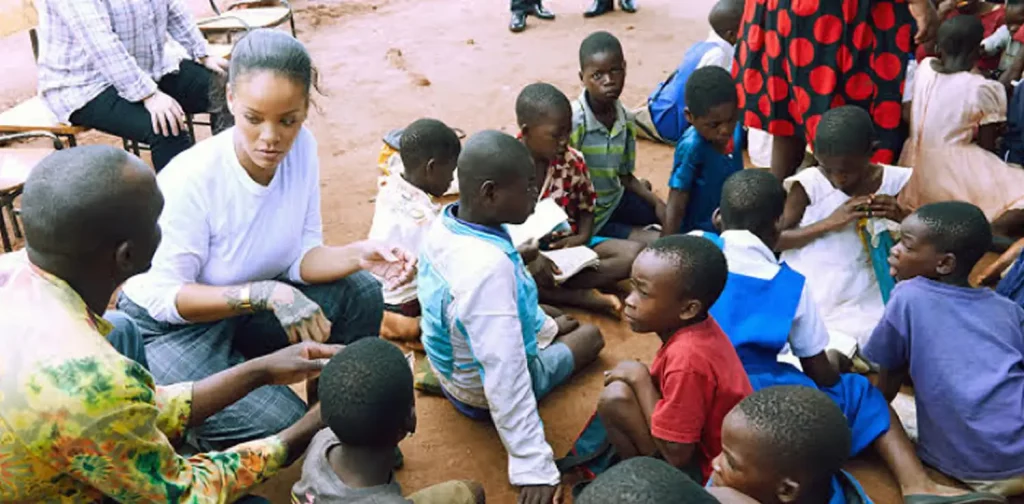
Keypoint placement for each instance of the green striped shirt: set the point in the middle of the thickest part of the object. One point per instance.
(609, 154)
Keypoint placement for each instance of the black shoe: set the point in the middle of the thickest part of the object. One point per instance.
(627, 6)
(518, 22)
(540, 12)
(599, 7)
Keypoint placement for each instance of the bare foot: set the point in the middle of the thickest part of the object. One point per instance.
(933, 488)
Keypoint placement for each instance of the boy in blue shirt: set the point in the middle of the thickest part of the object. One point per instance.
(706, 155)
(963, 348)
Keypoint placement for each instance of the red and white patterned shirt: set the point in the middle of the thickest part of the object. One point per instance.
(568, 183)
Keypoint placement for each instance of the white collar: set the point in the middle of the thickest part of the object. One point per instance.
(743, 244)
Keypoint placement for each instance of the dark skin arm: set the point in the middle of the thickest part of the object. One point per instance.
(639, 379)
(797, 201)
(819, 369)
(1014, 72)
(675, 211)
(988, 136)
(634, 185)
(585, 230)
(889, 382)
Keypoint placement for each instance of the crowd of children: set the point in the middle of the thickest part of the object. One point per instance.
(749, 282)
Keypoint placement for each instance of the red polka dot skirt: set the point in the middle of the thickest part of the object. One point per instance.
(798, 58)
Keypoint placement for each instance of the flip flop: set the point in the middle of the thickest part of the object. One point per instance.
(967, 498)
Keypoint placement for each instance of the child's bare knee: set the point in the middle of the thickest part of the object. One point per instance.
(615, 397)
(594, 338)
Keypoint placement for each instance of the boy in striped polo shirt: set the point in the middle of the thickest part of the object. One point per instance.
(606, 135)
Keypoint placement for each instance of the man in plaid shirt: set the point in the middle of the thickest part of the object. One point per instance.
(102, 64)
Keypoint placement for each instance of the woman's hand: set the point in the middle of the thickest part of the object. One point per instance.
(295, 363)
(394, 265)
(300, 317)
(166, 113)
(215, 64)
(927, 20)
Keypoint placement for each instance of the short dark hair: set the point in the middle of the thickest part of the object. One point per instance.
(366, 393)
(491, 155)
(274, 50)
(644, 480)
(427, 139)
(959, 228)
(709, 87)
(701, 269)
(599, 42)
(539, 101)
(80, 199)
(752, 200)
(959, 35)
(845, 131)
(800, 429)
(726, 15)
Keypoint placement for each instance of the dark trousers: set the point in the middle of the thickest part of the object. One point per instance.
(522, 5)
(112, 114)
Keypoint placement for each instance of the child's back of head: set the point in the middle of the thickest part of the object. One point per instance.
(960, 38)
(644, 480)
(942, 241)
(497, 180)
(712, 104)
(725, 18)
(429, 150)
(783, 444)
(366, 395)
(753, 200)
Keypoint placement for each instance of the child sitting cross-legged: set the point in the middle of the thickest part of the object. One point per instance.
(405, 209)
(675, 409)
(545, 123)
(481, 318)
(606, 135)
(367, 403)
(706, 155)
(836, 224)
(766, 306)
(963, 348)
(647, 480)
(787, 444)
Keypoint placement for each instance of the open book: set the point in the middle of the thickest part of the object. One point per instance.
(571, 261)
(546, 218)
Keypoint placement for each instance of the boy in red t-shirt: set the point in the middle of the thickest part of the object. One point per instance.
(675, 410)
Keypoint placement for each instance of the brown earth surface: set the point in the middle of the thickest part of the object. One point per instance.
(384, 63)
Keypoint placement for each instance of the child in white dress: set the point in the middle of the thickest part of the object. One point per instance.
(836, 226)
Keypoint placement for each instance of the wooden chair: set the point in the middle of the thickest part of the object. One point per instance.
(242, 15)
(15, 166)
(30, 115)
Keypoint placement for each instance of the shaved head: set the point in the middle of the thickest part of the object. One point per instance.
(492, 156)
(86, 199)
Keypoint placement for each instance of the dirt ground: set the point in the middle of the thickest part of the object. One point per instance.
(384, 63)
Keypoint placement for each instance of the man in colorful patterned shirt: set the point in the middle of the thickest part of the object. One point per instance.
(78, 420)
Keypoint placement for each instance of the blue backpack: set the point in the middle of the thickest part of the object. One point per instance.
(668, 100)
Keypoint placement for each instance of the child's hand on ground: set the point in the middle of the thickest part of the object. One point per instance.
(628, 372)
(529, 251)
(300, 317)
(294, 363)
(395, 265)
(566, 324)
(540, 494)
(544, 271)
(884, 206)
(569, 241)
(848, 212)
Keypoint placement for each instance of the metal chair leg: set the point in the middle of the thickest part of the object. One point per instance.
(6, 240)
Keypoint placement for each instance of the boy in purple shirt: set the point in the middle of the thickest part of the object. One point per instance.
(962, 347)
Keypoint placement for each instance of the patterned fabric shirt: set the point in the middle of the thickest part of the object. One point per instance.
(86, 46)
(79, 421)
(570, 186)
(609, 154)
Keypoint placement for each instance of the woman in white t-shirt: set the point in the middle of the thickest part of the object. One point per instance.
(242, 269)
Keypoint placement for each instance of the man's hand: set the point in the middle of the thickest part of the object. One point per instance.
(167, 116)
(628, 372)
(215, 64)
(300, 317)
(295, 363)
(394, 265)
(540, 494)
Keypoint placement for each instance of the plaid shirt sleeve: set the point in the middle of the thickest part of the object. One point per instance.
(90, 25)
(184, 30)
